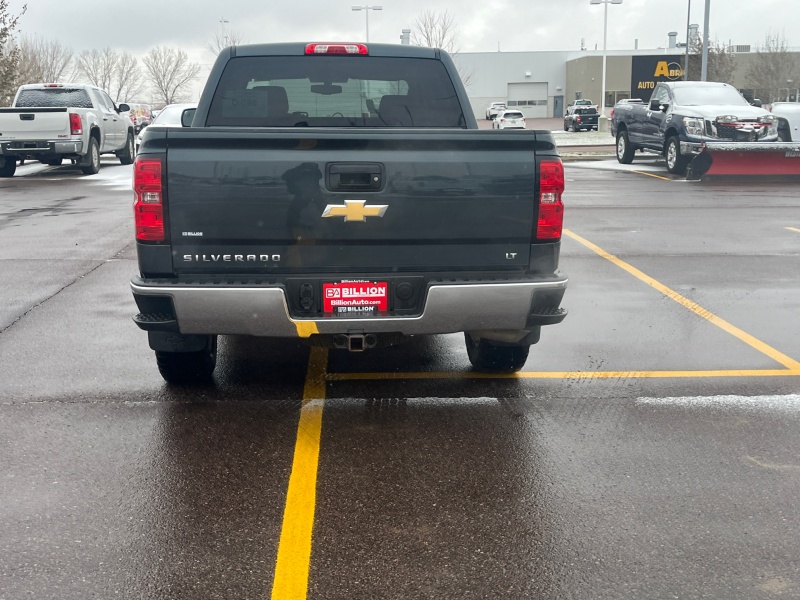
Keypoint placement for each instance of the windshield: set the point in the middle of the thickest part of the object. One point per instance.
(699, 96)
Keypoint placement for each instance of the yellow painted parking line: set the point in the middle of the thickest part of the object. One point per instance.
(748, 339)
(567, 375)
(294, 548)
(793, 229)
(652, 175)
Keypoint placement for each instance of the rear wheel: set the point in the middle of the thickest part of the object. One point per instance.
(188, 367)
(625, 150)
(92, 165)
(575, 128)
(126, 155)
(566, 127)
(489, 358)
(676, 162)
(9, 167)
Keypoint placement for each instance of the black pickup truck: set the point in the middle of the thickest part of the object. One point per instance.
(682, 116)
(579, 118)
(342, 194)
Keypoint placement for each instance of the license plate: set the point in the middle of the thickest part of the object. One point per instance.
(355, 298)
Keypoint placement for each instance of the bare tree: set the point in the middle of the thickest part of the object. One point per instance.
(97, 67)
(223, 39)
(43, 60)
(774, 69)
(128, 81)
(720, 61)
(9, 53)
(170, 73)
(118, 73)
(435, 30)
(439, 30)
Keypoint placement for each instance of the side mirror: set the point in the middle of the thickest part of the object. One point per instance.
(757, 103)
(187, 116)
(664, 107)
(123, 108)
(654, 105)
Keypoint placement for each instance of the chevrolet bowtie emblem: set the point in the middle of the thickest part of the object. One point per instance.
(354, 210)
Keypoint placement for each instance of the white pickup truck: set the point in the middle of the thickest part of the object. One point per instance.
(50, 122)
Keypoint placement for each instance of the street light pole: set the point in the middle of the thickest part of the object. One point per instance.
(366, 9)
(602, 123)
(222, 21)
(688, 25)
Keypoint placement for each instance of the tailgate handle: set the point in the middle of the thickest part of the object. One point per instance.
(354, 177)
(27, 117)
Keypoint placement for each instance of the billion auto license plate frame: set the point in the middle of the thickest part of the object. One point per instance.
(355, 297)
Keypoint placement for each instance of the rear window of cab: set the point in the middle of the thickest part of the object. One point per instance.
(335, 91)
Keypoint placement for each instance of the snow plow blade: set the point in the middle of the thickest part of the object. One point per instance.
(758, 159)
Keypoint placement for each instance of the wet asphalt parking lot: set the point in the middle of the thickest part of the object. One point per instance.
(649, 449)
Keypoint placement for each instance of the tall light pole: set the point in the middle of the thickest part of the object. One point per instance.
(704, 64)
(688, 41)
(602, 123)
(222, 21)
(366, 9)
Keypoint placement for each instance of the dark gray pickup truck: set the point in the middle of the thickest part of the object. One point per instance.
(343, 194)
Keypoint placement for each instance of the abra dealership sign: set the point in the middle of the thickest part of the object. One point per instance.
(647, 71)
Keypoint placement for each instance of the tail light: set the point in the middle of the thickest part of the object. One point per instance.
(75, 125)
(148, 207)
(578, 119)
(337, 49)
(502, 120)
(551, 209)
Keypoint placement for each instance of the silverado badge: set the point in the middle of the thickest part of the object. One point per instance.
(354, 210)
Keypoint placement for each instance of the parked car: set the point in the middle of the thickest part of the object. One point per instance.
(494, 109)
(275, 213)
(788, 114)
(169, 116)
(509, 119)
(683, 116)
(582, 118)
(141, 115)
(51, 122)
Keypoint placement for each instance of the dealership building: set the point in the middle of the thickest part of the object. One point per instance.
(541, 84)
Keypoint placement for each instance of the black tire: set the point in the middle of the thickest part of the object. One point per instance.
(488, 358)
(126, 155)
(575, 128)
(93, 156)
(676, 162)
(184, 368)
(9, 167)
(566, 127)
(625, 149)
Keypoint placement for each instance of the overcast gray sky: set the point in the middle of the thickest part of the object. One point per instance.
(514, 25)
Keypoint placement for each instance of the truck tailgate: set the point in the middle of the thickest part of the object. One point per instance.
(305, 200)
(34, 123)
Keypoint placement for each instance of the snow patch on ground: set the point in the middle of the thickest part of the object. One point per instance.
(785, 404)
